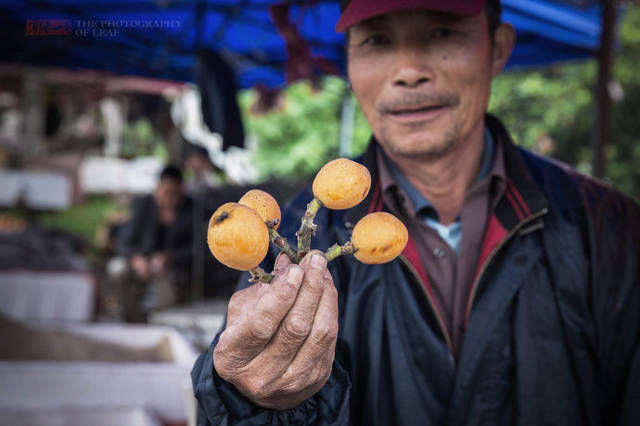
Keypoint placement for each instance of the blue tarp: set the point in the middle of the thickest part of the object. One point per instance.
(161, 38)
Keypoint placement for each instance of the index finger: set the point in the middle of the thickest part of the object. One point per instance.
(244, 300)
(297, 323)
(247, 337)
(282, 261)
(305, 319)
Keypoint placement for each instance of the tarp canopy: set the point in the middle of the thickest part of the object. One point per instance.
(162, 38)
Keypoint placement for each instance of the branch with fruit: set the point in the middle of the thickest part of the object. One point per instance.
(239, 233)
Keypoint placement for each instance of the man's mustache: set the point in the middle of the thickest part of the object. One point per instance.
(410, 101)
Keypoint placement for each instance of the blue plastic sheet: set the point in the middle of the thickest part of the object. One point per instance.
(161, 38)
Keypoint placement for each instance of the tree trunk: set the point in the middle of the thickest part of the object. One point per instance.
(603, 98)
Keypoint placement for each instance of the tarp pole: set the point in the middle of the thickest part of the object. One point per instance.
(603, 97)
(346, 125)
(33, 111)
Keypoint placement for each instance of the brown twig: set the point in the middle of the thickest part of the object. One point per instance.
(337, 250)
(307, 228)
(259, 274)
(281, 242)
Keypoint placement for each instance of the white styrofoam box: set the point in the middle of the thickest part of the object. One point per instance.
(109, 175)
(47, 296)
(11, 188)
(135, 336)
(111, 416)
(199, 322)
(39, 190)
(35, 386)
(101, 174)
(96, 387)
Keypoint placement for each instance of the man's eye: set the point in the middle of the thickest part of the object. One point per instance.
(376, 40)
(441, 33)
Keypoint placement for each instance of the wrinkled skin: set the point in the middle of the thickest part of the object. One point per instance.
(279, 343)
(410, 60)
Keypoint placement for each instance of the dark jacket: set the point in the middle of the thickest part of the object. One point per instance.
(552, 325)
(140, 233)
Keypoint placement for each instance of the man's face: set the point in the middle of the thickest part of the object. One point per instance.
(422, 79)
(168, 193)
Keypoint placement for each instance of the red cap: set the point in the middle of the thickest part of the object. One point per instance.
(361, 10)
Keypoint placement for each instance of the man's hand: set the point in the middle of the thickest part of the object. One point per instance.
(140, 266)
(280, 340)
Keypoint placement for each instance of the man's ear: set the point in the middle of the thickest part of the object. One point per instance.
(503, 41)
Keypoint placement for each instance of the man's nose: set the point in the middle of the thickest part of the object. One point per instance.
(411, 69)
(410, 81)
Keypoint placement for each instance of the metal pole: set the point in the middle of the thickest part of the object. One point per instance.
(33, 110)
(346, 125)
(603, 98)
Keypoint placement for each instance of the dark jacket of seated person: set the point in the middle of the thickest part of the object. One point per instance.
(161, 222)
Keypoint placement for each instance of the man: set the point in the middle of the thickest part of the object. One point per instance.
(516, 300)
(155, 248)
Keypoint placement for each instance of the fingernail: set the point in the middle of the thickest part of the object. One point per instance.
(318, 261)
(294, 276)
(277, 262)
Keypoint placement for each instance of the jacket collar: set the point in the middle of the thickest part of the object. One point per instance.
(522, 197)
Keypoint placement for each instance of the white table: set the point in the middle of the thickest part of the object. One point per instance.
(99, 393)
(198, 323)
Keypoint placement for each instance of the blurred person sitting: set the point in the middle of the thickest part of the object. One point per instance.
(155, 249)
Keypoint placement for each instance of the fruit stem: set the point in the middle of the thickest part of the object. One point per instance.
(307, 228)
(281, 242)
(337, 250)
(259, 274)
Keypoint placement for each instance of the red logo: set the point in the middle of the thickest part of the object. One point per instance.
(43, 27)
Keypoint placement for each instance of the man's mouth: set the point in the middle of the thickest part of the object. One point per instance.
(415, 110)
(412, 115)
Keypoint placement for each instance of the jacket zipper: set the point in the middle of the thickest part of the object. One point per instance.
(434, 308)
(506, 239)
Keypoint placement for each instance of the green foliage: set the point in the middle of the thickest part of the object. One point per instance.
(293, 141)
(82, 219)
(550, 110)
(623, 155)
(142, 139)
(361, 132)
(556, 103)
(296, 139)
